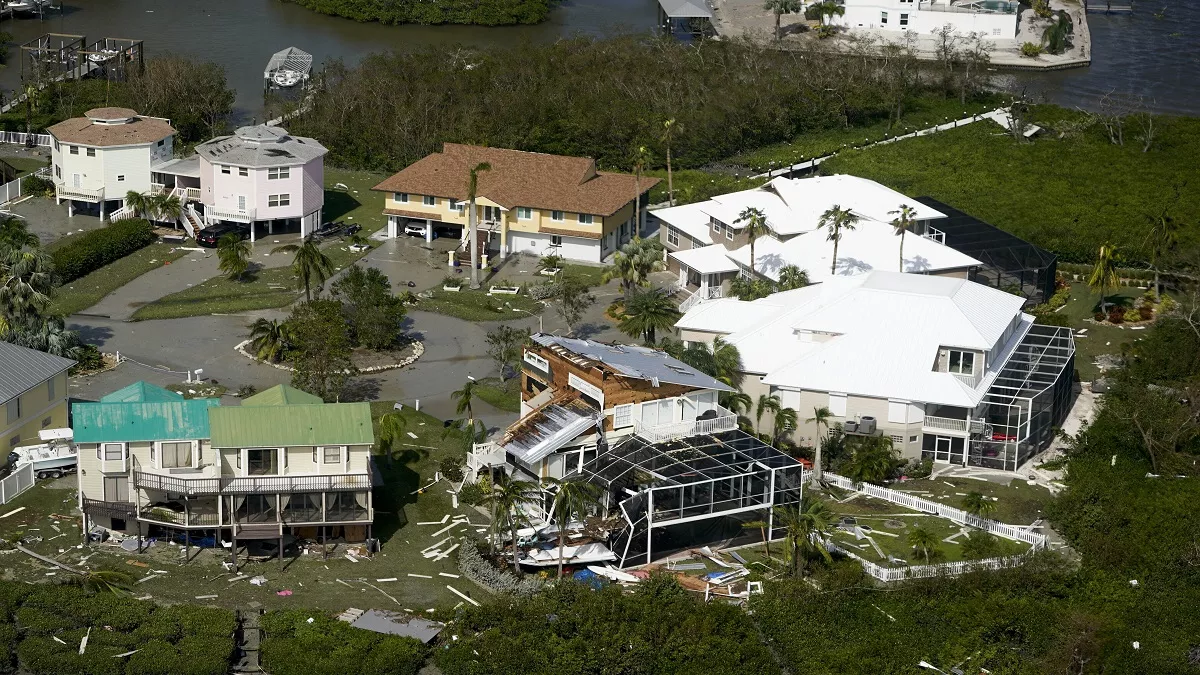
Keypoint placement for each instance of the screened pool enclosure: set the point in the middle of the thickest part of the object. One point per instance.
(691, 492)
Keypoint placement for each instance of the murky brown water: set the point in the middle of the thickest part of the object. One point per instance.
(1156, 57)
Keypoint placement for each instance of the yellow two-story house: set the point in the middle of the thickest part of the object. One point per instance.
(527, 202)
(33, 394)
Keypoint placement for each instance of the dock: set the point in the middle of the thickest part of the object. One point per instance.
(57, 57)
(1107, 7)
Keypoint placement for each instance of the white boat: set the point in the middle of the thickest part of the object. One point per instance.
(50, 460)
(285, 77)
(103, 55)
(26, 5)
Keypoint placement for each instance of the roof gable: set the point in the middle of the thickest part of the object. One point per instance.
(22, 368)
(282, 395)
(125, 422)
(141, 391)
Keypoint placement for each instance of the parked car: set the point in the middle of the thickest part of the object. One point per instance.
(413, 230)
(209, 236)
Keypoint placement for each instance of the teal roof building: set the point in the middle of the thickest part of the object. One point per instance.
(142, 412)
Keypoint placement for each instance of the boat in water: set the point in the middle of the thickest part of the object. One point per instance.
(285, 77)
(103, 55)
(27, 6)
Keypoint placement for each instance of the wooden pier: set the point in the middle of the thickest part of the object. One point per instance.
(1107, 7)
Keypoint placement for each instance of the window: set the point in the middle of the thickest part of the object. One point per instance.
(429, 200)
(47, 421)
(912, 439)
(585, 219)
(555, 240)
(241, 202)
(279, 173)
(12, 442)
(883, 18)
(837, 404)
(903, 20)
(672, 236)
(729, 233)
(225, 169)
(175, 455)
(279, 200)
(116, 488)
(74, 149)
(623, 416)
(14, 410)
(243, 171)
(995, 31)
(331, 455)
(261, 462)
(961, 362)
(91, 152)
(524, 213)
(897, 440)
(121, 178)
(716, 225)
(401, 197)
(57, 145)
(57, 171)
(556, 216)
(50, 389)
(112, 452)
(454, 204)
(162, 142)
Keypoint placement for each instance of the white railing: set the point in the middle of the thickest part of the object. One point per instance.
(927, 506)
(78, 193)
(971, 381)
(191, 194)
(968, 8)
(190, 220)
(123, 213)
(157, 188)
(10, 191)
(926, 571)
(935, 234)
(701, 294)
(41, 140)
(483, 455)
(19, 481)
(236, 215)
(944, 423)
(661, 433)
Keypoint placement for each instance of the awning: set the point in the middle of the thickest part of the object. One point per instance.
(706, 260)
(685, 9)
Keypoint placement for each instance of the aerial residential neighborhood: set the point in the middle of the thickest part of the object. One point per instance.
(647, 336)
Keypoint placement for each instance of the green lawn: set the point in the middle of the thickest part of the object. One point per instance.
(922, 114)
(89, 290)
(26, 165)
(1067, 194)
(312, 580)
(1099, 338)
(1019, 502)
(695, 185)
(506, 396)
(471, 305)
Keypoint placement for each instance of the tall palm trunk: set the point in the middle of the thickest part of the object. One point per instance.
(902, 251)
(512, 524)
(472, 236)
(637, 205)
(816, 472)
(562, 541)
(670, 179)
(752, 257)
(833, 266)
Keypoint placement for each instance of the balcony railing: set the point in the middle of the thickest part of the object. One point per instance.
(229, 485)
(165, 516)
(661, 433)
(79, 193)
(972, 7)
(98, 507)
(236, 215)
(944, 424)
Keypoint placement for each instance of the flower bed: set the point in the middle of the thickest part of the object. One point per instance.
(417, 350)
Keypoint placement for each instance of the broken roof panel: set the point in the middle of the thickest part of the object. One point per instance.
(641, 363)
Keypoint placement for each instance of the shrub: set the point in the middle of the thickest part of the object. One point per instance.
(37, 186)
(478, 569)
(8, 648)
(1116, 315)
(918, 468)
(293, 646)
(1098, 316)
(471, 494)
(452, 468)
(1143, 313)
(451, 281)
(88, 358)
(1168, 304)
(1031, 50)
(93, 250)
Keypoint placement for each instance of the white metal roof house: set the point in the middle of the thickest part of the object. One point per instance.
(949, 369)
(990, 19)
(101, 156)
(706, 244)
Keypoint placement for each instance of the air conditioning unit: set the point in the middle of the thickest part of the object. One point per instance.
(866, 425)
(850, 427)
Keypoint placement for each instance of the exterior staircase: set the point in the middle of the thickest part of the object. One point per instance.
(191, 221)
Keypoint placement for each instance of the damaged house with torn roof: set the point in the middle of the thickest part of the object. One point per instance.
(672, 467)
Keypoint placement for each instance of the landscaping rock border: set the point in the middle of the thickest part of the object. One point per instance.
(418, 350)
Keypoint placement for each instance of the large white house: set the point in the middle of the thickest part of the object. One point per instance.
(948, 369)
(990, 19)
(707, 245)
(98, 158)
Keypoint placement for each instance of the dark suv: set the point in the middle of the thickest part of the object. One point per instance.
(209, 236)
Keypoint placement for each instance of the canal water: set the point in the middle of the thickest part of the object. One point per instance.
(1158, 58)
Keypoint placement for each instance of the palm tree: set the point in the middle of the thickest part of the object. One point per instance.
(574, 498)
(924, 542)
(15, 234)
(311, 264)
(112, 582)
(550, 262)
(791, 278)
(641, 157)
(233, 252)
(718, 359)
(761, 526)
(979, 545)
(44, 334)
(766, 403)
(508, 496)
(633, 264)
(785, 423)
(1104, 273)
(463, 398)
(830, 9)
(871, 461)
(739, 404)
(977, 504)
(903, 223)
(821, 417)
(473, 219)
(27, 279)
(779, 8)
(167, 207)
(805, 526)
(391, 426)
(668, 129)
(756, 226)
(648, 312)
(1164, 234)
(142, 205)
(835, 220)
(269, 339)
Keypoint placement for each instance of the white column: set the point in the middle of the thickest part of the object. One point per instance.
(252, 224)
(271, 225)
(102, 209)
(70, 208)
(428, 231)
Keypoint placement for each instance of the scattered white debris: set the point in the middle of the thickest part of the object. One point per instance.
(462, 595)
(420, 576)
(12, 512)
(447, 574)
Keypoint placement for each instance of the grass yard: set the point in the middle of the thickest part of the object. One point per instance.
(506, 396)
(89, 290)
(695, 185)
(312, 580)
(1019, 503)
(26, 165)
(922, 114)
(1068, 195)
(471, 305)
(1100, 338)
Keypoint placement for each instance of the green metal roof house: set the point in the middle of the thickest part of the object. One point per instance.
(141, 412)
(312, 424)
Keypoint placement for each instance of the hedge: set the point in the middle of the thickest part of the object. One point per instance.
(293, 646)
(88, 252)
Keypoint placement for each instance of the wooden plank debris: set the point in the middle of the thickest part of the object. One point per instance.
(462, 595)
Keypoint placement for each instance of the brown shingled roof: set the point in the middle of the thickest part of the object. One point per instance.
(83, 131)
(519, 178)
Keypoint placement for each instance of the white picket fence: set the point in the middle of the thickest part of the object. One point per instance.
(41, 140)
(927, 571)
(958, 515)
(19, 481)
